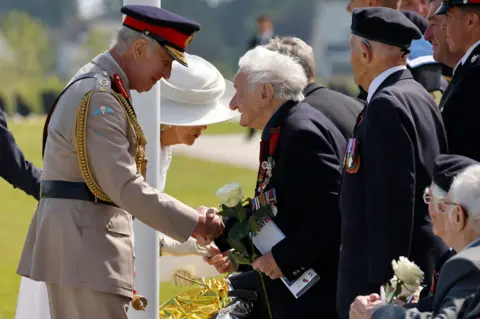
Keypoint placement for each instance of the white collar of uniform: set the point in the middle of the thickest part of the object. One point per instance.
(380, 78)
(467, 54)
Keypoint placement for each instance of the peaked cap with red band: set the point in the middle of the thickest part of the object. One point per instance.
(172, 31)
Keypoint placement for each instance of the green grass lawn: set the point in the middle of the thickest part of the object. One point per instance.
(192, 181)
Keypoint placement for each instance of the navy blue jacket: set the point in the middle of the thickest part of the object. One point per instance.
(306, 179)
(14, 168)
(383, 213)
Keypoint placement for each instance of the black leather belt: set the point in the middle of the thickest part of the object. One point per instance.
(69, 190)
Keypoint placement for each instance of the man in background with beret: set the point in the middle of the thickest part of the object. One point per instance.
(388, 161)
(424, 68)
(460, 105)
(80, 241)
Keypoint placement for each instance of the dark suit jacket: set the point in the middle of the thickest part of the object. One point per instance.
(461, 109)
(306, 178)
(340, 109)
(383, 213)
(459, 279)
(17, 171)
(471, 307)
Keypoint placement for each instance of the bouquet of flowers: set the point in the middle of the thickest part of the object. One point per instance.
(406, 281)
(238, 210)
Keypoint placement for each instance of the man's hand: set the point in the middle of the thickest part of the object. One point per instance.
(362, 307)
(219, 260)
(209, 226)
(268, 266)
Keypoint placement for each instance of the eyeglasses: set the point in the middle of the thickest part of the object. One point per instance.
(427, 199)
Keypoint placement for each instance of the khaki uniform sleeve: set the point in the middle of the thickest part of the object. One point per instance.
(113, 168)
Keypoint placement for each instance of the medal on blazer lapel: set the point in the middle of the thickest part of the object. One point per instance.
(267, 166)
(351, 160)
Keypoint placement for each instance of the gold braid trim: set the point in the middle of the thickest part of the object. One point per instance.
(81, 146)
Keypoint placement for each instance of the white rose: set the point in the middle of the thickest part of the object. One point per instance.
(230, 195)
(409, 273)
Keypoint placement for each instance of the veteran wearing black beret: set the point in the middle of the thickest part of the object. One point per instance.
(80, 241)
(460, 104)
(388, 161)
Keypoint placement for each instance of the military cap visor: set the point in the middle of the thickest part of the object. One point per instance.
(173, 32)
(443, 9)
(384, 25)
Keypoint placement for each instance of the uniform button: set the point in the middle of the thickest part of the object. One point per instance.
(303, 269)
(104, 73)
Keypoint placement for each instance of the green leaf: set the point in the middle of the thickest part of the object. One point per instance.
(237, 245)
(239, 230)
(253, 225)
(227, 213)
(242, 213)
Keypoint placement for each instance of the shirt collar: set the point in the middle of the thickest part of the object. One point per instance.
(107, 62)
(275, 119)
(466, 55)
(380, 78)
(474, 243)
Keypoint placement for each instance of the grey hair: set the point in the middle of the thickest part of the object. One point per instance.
(465, 190)
(264, 66)
(126, 36)
(295, 48)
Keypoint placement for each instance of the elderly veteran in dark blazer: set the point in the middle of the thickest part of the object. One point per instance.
(445, 169)
(342, 110)
(307, 149)
(388, 162)
(460, 276)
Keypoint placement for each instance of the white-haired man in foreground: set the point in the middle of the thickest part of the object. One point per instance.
(300, 169)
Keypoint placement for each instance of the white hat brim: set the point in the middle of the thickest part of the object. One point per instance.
(180, 114)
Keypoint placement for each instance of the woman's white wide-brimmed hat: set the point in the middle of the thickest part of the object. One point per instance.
(195, 95)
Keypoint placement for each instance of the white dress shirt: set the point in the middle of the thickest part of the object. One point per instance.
(380, 78)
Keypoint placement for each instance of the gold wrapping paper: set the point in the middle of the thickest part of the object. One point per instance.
(199, 303)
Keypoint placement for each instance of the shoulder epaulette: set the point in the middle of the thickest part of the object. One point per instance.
(103, 82)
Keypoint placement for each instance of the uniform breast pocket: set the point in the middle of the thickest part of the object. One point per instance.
(107, 253)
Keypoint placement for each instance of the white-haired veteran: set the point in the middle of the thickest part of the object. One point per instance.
(454, 206)
(192, 98)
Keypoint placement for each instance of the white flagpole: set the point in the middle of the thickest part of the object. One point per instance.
(147, 263)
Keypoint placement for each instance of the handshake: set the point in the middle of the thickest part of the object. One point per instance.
(209, 225)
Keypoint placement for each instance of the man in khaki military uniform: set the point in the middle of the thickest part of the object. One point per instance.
(80, 238)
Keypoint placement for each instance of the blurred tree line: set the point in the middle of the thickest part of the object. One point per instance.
(31, 28)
